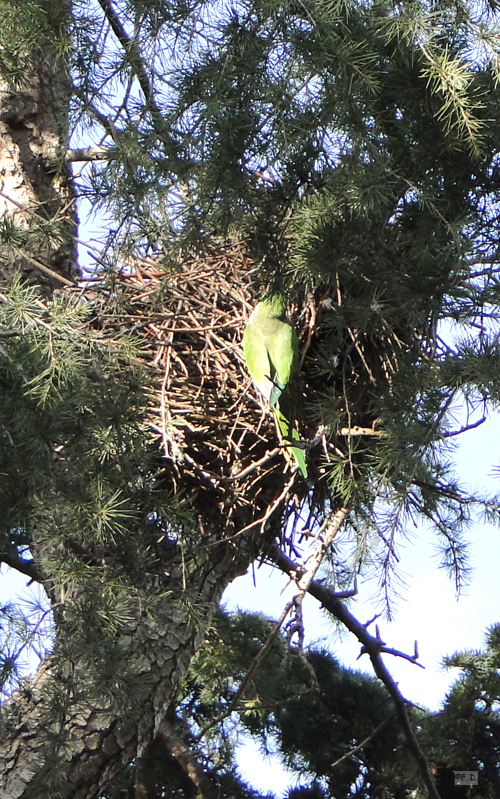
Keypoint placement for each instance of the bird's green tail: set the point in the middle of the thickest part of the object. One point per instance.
(290, 433)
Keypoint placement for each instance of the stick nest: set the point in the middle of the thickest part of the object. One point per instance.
(219, 442)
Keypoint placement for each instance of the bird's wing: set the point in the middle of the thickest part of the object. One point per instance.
(283, 350)
(258, 363)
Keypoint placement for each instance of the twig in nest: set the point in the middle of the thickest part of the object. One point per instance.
(245, 472)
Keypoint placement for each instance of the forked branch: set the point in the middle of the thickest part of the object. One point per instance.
(303, 578)
(373, 646)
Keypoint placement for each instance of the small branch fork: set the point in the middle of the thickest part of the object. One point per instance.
(372, 645)
(304, 576)
(330, 529)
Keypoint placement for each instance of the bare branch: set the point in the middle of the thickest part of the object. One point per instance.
(90, 154)
(190, 764)
(387, 650)
(363, 743)
(373, 647)
(253, 467)
(464, 429)
(303, 579)
(43, 268)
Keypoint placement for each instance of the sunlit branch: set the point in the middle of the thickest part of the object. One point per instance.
(188, 762)
(90, 154)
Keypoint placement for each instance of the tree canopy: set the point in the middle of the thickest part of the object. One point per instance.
(341, 153)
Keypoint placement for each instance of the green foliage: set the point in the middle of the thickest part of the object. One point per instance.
(264, 103)
(465, 734)
(79, 469)
(354, 146)
(29, 27)
(304, 707)
(65, 411)
(311, 712)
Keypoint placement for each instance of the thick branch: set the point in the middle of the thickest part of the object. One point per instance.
(138, 67)
(101, 738)
(192, 767)
(130, 47)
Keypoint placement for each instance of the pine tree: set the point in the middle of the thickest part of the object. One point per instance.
(343, 154)
(467, 730)
(332, 726)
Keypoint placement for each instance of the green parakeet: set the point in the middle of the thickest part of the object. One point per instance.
(271, 348)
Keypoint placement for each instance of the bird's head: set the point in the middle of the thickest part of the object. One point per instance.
(273, 306)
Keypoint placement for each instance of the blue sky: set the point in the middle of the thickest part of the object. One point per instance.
(428, 610)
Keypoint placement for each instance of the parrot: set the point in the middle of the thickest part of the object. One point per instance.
(271, 349)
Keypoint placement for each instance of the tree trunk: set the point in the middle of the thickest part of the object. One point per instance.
(35, 184)
(100, 740)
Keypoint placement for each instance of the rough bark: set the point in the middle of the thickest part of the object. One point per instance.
(101, 739)
(35, 183)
